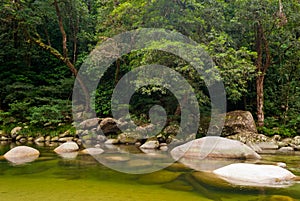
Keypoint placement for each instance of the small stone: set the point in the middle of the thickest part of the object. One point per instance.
(15, 131)
(92, 151)
(3, 138)
(66, 147)
(153, 144)
(40, 144)
(65, 139)
(54, 139)
(112, 141)
(287, 140)
(124, 139)
(282, 144)
(22, 140)
(268, 145)
(276, 138)
(79, 132)
(296, 140)
(19, 137)
(40, 139)
(163, 148)
(48, 138)
(286, 149)
(65, 134)
(138, 144)
(297, 147)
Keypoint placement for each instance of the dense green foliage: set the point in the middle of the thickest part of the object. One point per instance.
(43, 42)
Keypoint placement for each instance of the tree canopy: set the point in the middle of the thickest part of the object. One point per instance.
(254, 44)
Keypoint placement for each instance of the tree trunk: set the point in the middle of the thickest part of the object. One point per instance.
(58, 55)
(64, 57)
(260, 100)
(117, 74)
(62, 30)
(262, 64)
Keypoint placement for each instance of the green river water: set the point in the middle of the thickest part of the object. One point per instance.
(52, 178)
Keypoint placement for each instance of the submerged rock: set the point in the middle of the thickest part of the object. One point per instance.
(66, 147)
(92, 151)
(255, 175)
(211, 179)
(178, 186)
(281, 198)
(159, 177)
(214, 147)
(21, 154)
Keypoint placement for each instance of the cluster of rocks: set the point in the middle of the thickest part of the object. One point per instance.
(108, 130)
(240, 125)
(20, 139)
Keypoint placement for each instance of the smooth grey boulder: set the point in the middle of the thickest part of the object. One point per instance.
(214, 147)
(21, 154)
(255, 175)
(238, 121)
(66, 148)
(89, 123)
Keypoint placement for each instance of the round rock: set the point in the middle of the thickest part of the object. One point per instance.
(66, 147)
(21, 154)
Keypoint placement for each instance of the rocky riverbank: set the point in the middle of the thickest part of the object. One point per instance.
(239, 125)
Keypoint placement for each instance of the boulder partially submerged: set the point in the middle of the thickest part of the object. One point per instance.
(214, 147)
(92, 151)
(66, 148)
(256, 175)
(21, 154)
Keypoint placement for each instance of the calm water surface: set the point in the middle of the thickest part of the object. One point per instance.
(52, 178)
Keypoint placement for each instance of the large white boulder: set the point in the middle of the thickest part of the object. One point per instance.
(21, 154)
(255, 175)
(214, 147)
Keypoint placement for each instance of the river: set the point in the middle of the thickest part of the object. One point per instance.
(52, 178)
